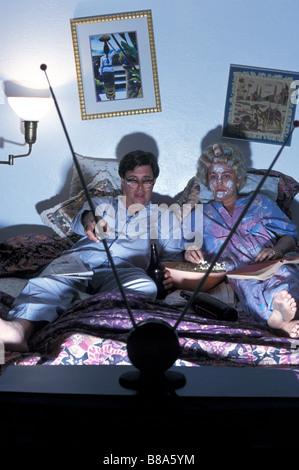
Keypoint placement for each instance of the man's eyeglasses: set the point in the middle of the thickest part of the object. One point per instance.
(146, 183)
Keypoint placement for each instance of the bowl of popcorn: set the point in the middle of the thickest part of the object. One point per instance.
(187, 275)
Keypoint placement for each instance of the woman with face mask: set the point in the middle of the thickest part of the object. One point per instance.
(265, 233)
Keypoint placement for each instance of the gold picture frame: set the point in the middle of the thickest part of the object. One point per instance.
(116, 65)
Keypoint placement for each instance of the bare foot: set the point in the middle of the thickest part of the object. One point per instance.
(284, 311)
(13, 334)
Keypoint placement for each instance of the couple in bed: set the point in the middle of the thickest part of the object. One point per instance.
(265, 233)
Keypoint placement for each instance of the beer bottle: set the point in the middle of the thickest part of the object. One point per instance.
(156, 270)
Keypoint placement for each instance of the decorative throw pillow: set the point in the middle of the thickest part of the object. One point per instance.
(288, 188)
(60, 216)
(90, 167)
(189, 196)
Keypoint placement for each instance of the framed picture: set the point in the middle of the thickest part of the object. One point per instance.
(260, 104)
(116, 65)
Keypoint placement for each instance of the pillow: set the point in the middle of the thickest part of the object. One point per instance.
(59, 217)
(288, 188)
(90, 167)
(189, 196)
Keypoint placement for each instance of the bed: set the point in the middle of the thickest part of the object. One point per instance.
(95, 329)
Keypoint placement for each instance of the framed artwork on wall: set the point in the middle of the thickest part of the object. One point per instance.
(260, 104)
(116, 65)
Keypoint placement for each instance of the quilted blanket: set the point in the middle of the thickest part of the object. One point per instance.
(95, 330)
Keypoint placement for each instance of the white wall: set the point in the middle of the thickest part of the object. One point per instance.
(196, 41)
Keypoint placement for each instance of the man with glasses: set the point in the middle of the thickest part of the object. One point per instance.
(129, 223)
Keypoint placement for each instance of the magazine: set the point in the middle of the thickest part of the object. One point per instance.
(68, 265)
(261, 270)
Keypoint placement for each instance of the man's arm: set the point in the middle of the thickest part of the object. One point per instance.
(83, 222)
(95, 231)
(171, 239)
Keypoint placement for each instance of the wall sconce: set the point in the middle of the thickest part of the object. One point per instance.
(30, 110)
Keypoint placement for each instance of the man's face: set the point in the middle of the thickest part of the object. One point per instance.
(138, 185)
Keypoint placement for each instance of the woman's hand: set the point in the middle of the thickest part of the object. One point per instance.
(268, 253)
(284, 244)
(94, 231)
(193, 256)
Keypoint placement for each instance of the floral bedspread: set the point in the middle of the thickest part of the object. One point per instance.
(95, 330)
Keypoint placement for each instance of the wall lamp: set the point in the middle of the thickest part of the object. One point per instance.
(30, 110)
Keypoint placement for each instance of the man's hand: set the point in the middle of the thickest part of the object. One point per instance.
(168, 281)
(95, 231)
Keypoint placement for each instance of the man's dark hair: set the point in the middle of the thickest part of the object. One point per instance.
(138, 158)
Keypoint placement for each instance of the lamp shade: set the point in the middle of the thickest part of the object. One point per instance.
(30, 108)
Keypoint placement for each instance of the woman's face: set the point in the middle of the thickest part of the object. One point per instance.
(223, 182)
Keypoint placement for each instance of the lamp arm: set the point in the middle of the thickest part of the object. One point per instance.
(30, 138)
(11, 158)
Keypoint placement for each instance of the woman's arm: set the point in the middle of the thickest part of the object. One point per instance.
(284, 244)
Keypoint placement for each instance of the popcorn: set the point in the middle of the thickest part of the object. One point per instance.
(201, 267)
